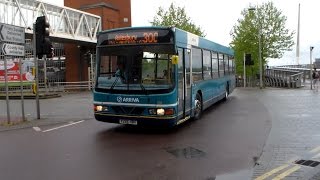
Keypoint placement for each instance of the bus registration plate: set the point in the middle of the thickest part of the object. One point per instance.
(126, 121)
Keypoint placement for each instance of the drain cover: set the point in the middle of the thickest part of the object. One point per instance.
(309, 163)
(188, 152)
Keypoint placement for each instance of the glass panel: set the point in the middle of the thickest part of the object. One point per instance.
(221, 66)
(206, 65)
(140, 71)
(215, 65)
(226, 65)
(187, 66)
(230, 65)
(196, 65)
(180, 81)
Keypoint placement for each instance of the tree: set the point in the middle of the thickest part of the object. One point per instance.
(275, 37)
(177, 17)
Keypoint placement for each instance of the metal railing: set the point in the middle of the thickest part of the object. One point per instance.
(284, 78)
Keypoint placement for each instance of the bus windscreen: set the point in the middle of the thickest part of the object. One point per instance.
(142, 73)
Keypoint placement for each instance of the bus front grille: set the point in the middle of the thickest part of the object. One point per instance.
(128, 110)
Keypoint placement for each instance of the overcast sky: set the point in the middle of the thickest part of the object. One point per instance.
(217, 18)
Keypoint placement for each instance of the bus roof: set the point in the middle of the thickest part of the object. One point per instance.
(187, 39)
(130, 28)
(182, 38)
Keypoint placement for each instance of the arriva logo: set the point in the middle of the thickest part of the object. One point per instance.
(127, 99)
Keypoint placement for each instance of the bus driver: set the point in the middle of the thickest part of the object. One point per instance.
(120, 71)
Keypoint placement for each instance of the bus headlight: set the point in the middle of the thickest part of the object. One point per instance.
(100, 108)
(160, 112)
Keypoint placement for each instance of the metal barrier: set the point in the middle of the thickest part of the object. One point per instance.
(284, 78)
(71, 86)
(277, 77)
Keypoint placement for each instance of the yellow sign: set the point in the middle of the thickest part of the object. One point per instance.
(34, 88)
(175, 59)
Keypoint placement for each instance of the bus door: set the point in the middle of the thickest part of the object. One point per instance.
(184, 85)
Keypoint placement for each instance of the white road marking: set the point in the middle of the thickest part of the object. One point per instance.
(37, 129)
(70, 124)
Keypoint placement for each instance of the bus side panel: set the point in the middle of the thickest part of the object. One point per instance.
(232, 83)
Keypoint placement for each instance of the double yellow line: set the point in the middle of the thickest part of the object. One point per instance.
(289, 171)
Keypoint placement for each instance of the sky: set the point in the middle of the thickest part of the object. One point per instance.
(217, 18)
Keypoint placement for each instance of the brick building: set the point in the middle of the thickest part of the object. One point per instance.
(113, 13)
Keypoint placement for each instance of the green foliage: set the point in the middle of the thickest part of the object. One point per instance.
(177, 17)
(275, 37)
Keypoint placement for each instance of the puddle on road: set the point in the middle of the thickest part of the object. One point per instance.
(243, 175)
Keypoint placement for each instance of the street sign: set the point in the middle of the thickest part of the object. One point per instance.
(9, 33)
(12, 49)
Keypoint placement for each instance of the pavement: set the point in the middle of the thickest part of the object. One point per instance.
(294, 135)
(54, 110)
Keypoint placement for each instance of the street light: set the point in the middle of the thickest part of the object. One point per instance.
(259, 39)
(244, 69)
(311, 48)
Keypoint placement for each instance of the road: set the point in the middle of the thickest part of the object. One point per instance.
(230, 137)
(267, 134)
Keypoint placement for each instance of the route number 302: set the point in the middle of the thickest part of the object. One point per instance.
(151, 37)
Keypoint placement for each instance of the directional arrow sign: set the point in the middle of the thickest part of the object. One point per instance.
(12, 49)
(11, 33)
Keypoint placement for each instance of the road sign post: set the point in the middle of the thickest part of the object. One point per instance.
(7, 89)
(13, 41)
(37, 71)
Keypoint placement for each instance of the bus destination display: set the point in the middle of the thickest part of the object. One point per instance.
(139, 37)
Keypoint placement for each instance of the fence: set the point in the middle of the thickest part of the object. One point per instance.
(278, 77)
(51, 73)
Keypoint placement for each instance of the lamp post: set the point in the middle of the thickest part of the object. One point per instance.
(244, 69)
(311, 48)
(259, 39)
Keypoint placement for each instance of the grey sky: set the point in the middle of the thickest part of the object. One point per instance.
(218, 17)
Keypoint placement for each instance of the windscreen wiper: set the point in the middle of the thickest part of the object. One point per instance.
(114, 83)
(144, 89)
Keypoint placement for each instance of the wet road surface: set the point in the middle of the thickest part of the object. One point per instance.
(230, 137)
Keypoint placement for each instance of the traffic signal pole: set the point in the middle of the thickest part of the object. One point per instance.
(42, 47)
(37, 70)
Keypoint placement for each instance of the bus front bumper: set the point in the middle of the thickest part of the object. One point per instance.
(137, 120)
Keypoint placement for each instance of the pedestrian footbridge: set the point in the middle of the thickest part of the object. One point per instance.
(66, 24)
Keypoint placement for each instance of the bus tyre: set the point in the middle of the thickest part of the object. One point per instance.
(198, 107)
(226, 93)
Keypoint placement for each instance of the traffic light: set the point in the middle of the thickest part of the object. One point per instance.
(43, 43)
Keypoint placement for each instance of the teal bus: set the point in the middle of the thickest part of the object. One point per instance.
(158, 76)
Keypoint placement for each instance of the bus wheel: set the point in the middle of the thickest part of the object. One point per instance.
(227, 93)
(198, 107)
